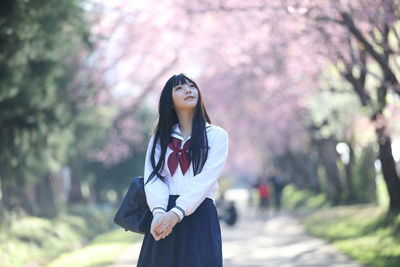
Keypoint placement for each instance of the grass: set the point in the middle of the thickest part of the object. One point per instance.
(365, 232)
(294, 199)
(103, 250)
(35, 241)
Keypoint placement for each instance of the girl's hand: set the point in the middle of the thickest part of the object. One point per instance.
(163, 224)
(157, 220)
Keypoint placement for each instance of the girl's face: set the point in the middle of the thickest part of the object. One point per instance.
(185, 96)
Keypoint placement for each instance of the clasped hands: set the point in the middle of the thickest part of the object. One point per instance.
(162, 224)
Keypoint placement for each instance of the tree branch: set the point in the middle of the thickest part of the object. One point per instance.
(349, 23)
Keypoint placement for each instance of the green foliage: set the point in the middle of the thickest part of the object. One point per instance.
(302, 200)
(33, 240)
(365, 232)
(116, 178)
(103, 250)
(91, 135)
(39, 57)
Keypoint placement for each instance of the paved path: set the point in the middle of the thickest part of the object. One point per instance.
(277, 241)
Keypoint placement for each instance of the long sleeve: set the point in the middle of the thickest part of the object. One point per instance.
(200, 185)
(157, 192)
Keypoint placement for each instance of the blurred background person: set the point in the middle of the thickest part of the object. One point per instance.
(263, 191)
(278, 184)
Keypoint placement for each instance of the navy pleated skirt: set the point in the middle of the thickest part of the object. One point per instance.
(193, 242)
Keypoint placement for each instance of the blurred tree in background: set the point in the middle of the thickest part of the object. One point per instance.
(60, 142)
(362, 41)
(43, 46)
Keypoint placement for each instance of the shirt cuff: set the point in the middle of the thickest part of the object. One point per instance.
(158, 210)
(178, 210)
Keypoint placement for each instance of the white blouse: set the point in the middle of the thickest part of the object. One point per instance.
(192, 190)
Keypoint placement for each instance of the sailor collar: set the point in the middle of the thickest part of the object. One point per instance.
(176, 132)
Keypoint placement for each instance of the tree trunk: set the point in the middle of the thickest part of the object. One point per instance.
(389, 169)
(10, 196)
(351, 195)
(301, 165)
(3, 198)
(28, 197)
(75, 194)
(329, 157)
(45, 197)
(92, 195)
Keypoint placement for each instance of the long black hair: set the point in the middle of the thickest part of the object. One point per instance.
(198, 148)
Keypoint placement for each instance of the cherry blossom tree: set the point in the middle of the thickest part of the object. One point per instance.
(359, 37)
(258, 64)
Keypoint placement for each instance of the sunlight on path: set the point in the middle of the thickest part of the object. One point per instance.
(277, 240)
(129, 257)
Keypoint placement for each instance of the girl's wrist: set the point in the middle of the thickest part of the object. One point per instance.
(175, 216)
(156, 214)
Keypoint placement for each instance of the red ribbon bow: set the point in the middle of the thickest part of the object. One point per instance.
(178, 155)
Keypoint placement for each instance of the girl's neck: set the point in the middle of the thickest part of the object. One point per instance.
(185, 123)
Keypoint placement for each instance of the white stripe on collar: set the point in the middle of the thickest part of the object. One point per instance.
(176, 132)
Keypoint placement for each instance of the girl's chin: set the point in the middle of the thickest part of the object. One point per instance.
(189, 102)
(188, 106)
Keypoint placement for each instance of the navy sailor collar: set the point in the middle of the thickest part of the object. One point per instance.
(176, 132)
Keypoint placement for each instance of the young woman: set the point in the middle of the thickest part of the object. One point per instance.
(184, 160)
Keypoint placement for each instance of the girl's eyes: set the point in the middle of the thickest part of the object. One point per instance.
(191, 86)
